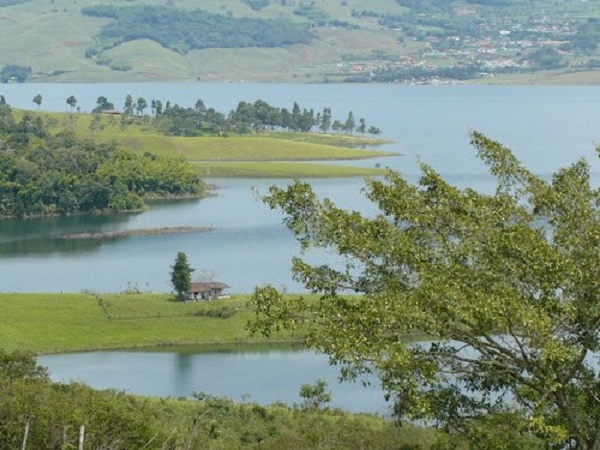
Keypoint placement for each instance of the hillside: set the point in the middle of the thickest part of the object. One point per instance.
(412, 41)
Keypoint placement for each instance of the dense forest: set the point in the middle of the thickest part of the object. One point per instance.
(181, 30)
(43, 173)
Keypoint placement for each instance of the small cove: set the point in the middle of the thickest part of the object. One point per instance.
(262, 374)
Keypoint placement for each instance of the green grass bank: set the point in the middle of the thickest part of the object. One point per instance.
(54, 323)
(260, 155)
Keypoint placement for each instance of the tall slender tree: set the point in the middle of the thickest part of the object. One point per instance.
(181, 275)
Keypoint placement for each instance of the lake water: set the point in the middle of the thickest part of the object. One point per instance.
(251, 374)
(548, 127)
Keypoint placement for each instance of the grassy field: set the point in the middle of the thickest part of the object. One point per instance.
(266, 155)
(551, 77)
(268, 169)
(51, 323)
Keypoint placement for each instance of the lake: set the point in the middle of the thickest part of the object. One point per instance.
(548, 127)
(244, 373)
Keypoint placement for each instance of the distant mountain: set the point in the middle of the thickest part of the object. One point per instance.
(410, 41)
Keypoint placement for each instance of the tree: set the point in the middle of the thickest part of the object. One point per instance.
(37, 100)
(181, 275)
(72, 101)
(325, 124)
(102, 104)
(128, 106)
(336, 126)
(362, 128)
(13, 72)
(141, 105)
(505, 285)
(374, 130)
(350, 123)
(315, 396)
(159, 107)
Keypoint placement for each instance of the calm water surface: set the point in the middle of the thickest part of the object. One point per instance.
(259, 376)
(548, 127)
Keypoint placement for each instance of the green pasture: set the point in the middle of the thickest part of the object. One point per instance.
(53, 36)
(268, 169)
(52, 323)
(265, 155)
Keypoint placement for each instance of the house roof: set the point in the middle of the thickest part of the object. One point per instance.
(207, 286)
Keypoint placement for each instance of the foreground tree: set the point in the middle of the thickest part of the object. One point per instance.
(506, 285)
(181, 275)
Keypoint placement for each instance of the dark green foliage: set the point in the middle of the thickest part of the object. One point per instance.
(246, 118)
(113, 420)
(315, 15)
(221, 312)
(20, 365)
(55, 412)
(71, 101)
(102, 104)
(181, 30)
(181, 275)
(42, 174)
(505, 285)
(586, 38)
(315, 396)
(13, 72)
(547, 58)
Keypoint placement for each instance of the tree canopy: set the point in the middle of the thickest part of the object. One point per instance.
(42, 173)
(182, 30)
(505, 287)
(181, 275)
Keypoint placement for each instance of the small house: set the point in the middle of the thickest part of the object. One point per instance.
(206, 290)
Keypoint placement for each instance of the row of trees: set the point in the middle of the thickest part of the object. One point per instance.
(246, 118)
(42, 173)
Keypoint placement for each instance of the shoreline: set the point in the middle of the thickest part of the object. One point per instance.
(137, 232)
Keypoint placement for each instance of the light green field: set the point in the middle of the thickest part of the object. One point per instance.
(265, 155)
(220, 169)
(50, 323)
(585, 77)
(53, 36)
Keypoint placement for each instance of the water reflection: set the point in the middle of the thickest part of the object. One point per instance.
(263, 375)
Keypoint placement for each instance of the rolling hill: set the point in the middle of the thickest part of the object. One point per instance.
(416, 41)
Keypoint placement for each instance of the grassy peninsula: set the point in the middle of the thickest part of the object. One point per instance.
(268, 154)
(54, 323)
